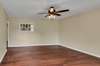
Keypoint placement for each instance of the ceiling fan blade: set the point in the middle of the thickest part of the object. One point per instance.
(42, 13)
(57, 14)
(46, 16)
(62, 11)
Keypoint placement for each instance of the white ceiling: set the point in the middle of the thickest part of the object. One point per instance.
(31, 8)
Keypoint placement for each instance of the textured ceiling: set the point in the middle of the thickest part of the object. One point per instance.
(31, 8)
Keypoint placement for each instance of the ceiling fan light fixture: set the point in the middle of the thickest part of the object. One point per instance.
(51, 10)
(51, 16)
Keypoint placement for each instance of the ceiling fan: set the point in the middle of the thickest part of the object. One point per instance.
(52, 12)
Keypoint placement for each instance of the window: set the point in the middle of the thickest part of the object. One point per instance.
(26, 27)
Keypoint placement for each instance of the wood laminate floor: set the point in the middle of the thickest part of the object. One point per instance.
(47, 56)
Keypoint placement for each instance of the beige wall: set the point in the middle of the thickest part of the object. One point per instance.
(3, 33)
(82, 32)
(45, 32)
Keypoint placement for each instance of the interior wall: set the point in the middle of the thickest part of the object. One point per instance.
(3, 33)
(45, 33)
(82, 32)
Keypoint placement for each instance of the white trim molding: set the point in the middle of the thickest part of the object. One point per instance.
(3, 55)
(28, 44)
(31, 44)
(89, 53)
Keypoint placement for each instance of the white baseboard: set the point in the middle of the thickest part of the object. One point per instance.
(31, 44)
(28, 44)
(3, 55)
(89, 53)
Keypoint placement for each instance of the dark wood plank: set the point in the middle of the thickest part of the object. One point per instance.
(53, 55)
